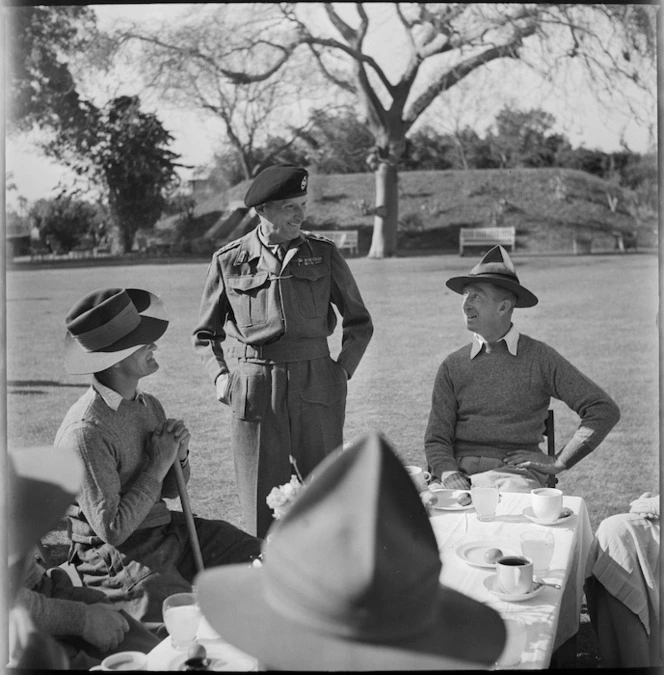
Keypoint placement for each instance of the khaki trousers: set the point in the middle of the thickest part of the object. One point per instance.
(279, 410)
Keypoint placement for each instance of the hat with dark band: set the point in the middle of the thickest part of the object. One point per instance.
(350, 580)
(495, 268)
(109, 324)
(281, 181)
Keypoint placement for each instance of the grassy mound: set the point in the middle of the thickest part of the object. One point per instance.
(548, 207)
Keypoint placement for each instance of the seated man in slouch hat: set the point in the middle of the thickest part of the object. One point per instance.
(54, 624)
(125, 540)
(490, 398)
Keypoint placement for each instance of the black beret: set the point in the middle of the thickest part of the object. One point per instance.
(281, 181)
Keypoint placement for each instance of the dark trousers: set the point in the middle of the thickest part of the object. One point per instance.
(281, 409)
(156, 562)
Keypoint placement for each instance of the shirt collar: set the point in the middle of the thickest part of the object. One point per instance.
(111, 397)
(511, 340)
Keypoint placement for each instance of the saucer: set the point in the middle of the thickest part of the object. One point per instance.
(447, 500)
(491, 584)
(530, 514)
(473, 552)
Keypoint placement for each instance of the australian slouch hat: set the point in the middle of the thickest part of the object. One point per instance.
(108, 325)
(42, 482)
(497, 268)
(280, 181)
(350, 580)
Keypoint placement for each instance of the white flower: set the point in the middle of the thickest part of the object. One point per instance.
(281, 498)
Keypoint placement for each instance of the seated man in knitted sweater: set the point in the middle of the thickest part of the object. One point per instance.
(490, 398)
(125, 540)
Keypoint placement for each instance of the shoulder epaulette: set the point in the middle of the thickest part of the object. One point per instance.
(227, 247)
(316, 236)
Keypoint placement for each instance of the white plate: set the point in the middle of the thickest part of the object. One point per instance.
(491, 584)
(473, 552)
(530, 514)
(222, 656)
(447, 500)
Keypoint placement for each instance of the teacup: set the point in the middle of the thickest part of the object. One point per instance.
(124, 661)
(514, 574)
(420, 477)
(547, 503)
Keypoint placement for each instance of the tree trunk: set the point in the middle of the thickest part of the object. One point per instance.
(386, 218)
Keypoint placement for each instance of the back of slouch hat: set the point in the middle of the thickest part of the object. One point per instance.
(350, 580)
(280, 181)
(108, 325)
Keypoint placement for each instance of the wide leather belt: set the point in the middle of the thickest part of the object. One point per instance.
(284, 350)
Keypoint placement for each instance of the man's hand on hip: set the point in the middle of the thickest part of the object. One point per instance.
(533, 459)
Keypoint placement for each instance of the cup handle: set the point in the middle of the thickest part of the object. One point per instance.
(427, 476)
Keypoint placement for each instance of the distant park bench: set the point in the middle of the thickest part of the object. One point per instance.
(486, 236)
(344, 239)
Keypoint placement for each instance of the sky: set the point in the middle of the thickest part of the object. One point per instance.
(196, 138)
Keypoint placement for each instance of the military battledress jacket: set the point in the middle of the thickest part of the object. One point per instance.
(273, 319)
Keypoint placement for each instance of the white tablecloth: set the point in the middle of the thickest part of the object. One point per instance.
(552, 616)
(226, 656)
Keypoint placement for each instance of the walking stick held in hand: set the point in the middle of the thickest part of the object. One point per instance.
(188, 516)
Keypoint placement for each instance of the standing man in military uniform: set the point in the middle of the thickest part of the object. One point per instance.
(274, 291)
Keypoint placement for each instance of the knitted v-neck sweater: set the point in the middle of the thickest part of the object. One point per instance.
(117, 496)
(498, 402)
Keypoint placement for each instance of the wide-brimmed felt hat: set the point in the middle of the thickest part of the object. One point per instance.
(279, 181)
(496, 268)
(108, 325)
(41, 483)
(350, 580)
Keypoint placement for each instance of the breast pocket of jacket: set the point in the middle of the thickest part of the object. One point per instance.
(311, 286)
(247, 295)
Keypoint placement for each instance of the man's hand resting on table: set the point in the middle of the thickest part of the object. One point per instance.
(646, 505)
(455, 480)
(533, 459)
(105, 627)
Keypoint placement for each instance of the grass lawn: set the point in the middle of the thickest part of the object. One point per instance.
(598, 311)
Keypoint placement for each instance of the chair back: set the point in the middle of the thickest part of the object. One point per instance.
(550, 434)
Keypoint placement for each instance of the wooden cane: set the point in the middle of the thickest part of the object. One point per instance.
(188, 516)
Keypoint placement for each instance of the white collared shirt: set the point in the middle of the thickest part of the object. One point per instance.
(111, 397)
(511, 340)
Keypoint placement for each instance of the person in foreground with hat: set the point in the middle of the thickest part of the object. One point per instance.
(274, 292)
(350, 580)
(490, 398)
(83, 625)
(125, 540)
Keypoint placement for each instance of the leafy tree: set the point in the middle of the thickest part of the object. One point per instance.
(441, 44)
(65, 220)
(41, 87)
(188, 66)
(337, 142)
(520, 138)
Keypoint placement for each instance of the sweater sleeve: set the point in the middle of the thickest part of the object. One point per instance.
(55, 616)
(209, 331)
(439, 435)
(114, 514)
(599, 413)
